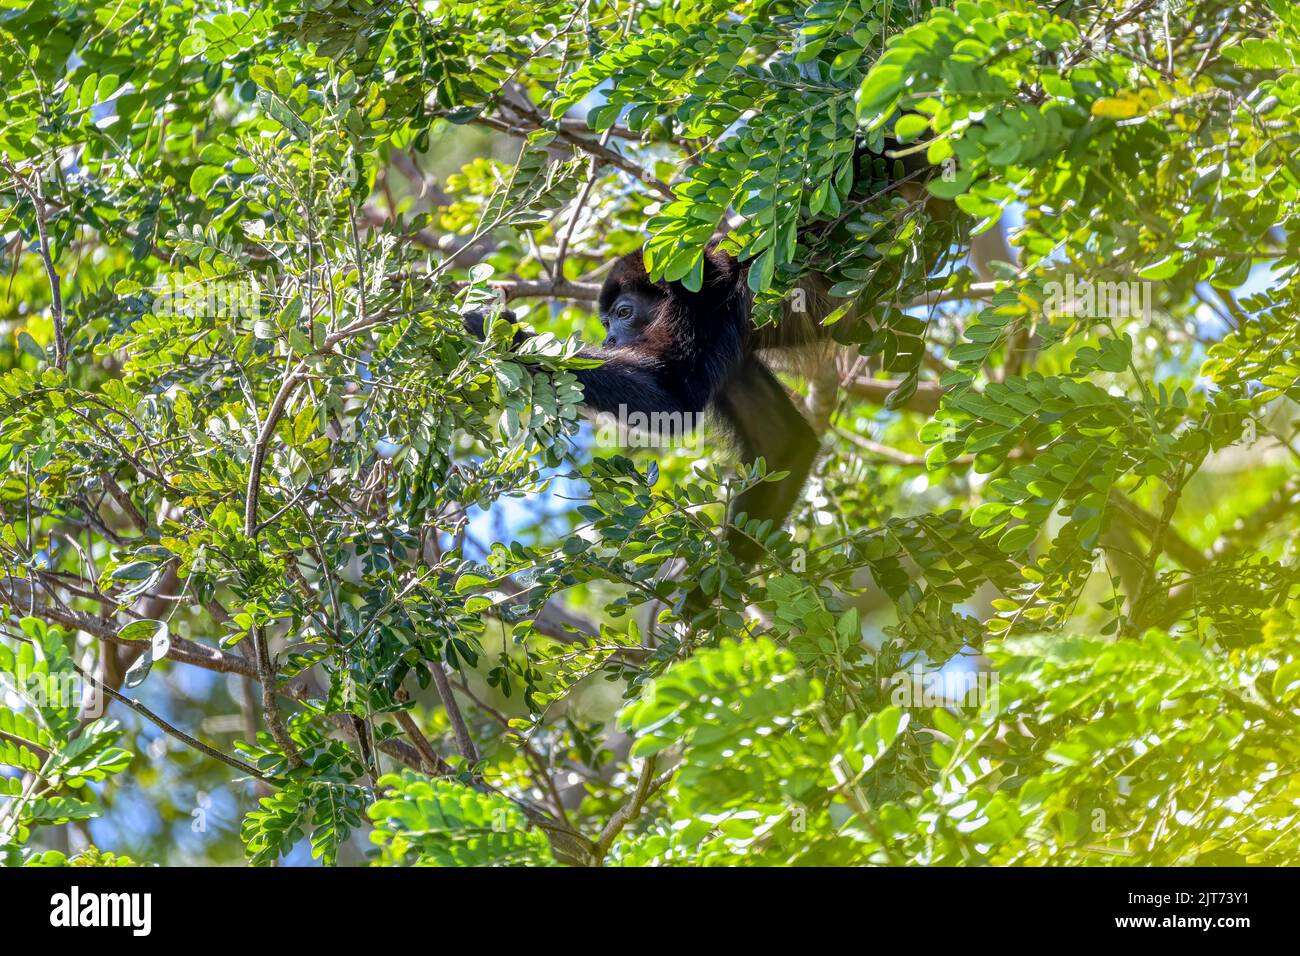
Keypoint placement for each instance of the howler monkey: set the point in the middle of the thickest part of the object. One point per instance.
(668, 349)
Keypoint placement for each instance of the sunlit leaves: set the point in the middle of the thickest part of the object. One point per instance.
(266, 232)
(428, 822)
(47, 756)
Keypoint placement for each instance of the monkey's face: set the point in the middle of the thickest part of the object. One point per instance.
(626, 316)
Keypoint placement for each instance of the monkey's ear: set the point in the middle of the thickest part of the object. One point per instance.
(627, 275)
(631, 267)
(722, 273)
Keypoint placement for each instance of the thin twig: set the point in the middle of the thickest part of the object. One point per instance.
(37, 195)
(464, 742)
(171, 729)
(124, 501)
(924, 399)
(434, 763)
(604, 154)
(1173, 543)
(261, 648)
(645, 787)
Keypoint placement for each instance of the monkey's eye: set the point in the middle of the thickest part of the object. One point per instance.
(624, 311)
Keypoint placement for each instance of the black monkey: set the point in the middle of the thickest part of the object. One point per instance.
(668, 349)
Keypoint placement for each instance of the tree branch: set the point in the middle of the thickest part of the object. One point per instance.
(433, 762)
(1173, 543)
(603, 154)
(464, 742)
(171, 729)
(645, 787)
(37, 194)
(925, 399)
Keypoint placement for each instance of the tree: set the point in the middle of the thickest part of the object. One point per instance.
(1038, 603)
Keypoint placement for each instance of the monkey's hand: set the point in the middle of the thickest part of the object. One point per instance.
(474, 320)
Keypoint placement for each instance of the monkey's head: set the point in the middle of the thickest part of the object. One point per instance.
(628, 302)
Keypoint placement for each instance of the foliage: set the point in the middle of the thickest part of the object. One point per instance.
(363, 588)
(441, 823)
(52, 758)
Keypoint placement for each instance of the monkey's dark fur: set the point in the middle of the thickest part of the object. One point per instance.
(671, 350)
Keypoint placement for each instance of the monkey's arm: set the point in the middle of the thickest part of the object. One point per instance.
(474, 319)
(629, 378)
(633, 383)
(767, 425)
